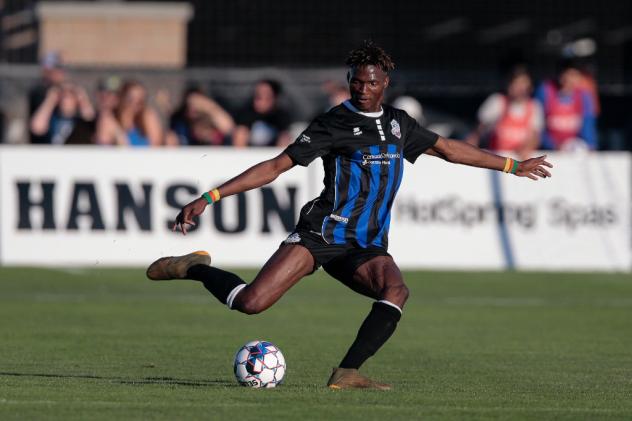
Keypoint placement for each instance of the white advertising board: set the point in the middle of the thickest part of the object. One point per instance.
(458, 217)
(443, 218)
(105, 206)
(85, 206)
(580, 218)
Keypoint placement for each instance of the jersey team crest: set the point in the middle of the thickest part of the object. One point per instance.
(395, 129)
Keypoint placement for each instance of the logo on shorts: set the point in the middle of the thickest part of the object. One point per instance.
(304, 139)
(293, 238)
(395, 129)
(357, 131)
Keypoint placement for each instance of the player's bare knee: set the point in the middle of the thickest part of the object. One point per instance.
(249, 307)
(397, 293)
(249, 304)
(405, 292)
(402, 293)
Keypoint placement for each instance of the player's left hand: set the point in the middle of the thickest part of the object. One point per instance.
(186, 215)
(534, 168)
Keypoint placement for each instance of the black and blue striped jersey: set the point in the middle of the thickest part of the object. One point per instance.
(363, 157)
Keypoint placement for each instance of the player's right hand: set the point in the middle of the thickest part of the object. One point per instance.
(534, 168)
(186, 215)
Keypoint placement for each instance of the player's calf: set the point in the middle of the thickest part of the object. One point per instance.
(378, 326)
(230, 289)
(224, 285)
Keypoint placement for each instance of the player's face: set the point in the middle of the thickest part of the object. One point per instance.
(366, 86)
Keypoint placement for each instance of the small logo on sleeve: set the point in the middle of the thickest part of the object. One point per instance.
(304, 139)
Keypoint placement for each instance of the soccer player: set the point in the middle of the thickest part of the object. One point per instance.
(362, 143)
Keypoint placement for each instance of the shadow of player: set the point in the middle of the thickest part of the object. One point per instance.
(127, 381)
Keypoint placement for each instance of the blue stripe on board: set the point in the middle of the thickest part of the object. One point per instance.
(352, 195)
(381, 220)
(503, 232)
(374, 187)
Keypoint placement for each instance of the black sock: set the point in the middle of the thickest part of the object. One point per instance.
(218, 282)
(378, 326)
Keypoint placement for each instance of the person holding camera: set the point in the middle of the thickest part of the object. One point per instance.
(65, 116)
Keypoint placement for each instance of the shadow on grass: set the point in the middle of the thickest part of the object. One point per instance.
(121, 380)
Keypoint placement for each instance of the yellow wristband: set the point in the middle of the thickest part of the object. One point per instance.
(508, 164)
(211, 196)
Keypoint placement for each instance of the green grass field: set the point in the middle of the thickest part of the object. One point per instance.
(109, 344)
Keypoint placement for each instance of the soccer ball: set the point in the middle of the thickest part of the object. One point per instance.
(259, 364)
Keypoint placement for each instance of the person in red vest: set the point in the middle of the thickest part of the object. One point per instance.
(511, 121)
(569, 110)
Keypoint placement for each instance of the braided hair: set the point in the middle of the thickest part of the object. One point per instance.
(370, 54)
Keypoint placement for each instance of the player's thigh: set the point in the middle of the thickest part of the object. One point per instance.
(344, 271)
(378, 278)
(382, 277)
(284, 269)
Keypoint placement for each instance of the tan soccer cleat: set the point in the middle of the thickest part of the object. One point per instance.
(350, 378)
(176, 267)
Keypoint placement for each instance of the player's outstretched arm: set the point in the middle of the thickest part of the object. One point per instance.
(256, 176)
(463, 153)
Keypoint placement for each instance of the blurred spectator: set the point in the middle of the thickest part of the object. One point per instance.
(132, 122)
(512, 121)
(53, 74)
(588, 83)
(164, 106)
(412, 107)
(570, 114)
(445, 125)
(201, 121)
(263, 122)
(337, 93)
(107, 99)
(108, 94)
(64, 117)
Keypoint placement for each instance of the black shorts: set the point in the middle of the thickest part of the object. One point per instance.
(339, 260)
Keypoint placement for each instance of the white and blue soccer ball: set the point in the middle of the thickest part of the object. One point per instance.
(259, 364)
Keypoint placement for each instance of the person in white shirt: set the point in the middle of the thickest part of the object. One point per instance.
(511, 121)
